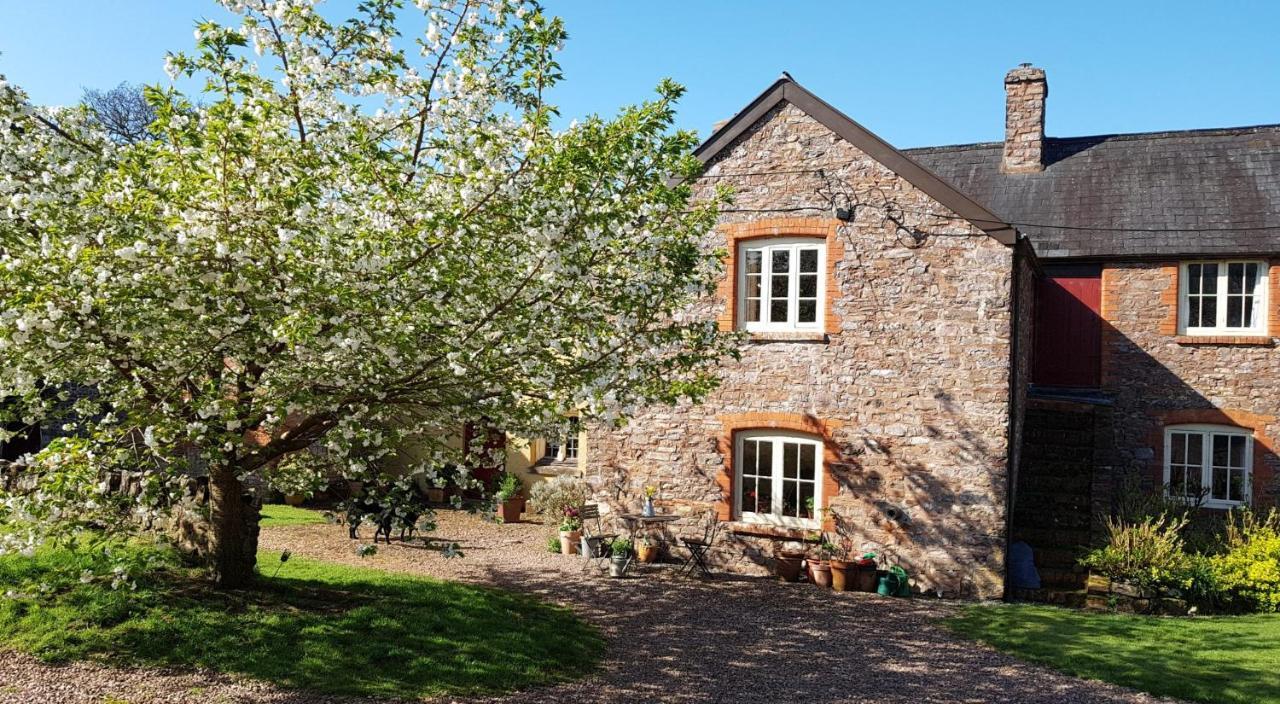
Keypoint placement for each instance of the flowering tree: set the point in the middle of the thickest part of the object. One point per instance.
(352, 238)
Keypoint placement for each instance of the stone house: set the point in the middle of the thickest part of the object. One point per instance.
(911, 315)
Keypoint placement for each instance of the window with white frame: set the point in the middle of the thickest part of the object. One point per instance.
(1223, 298)
(781, 284)
(563, 449)
(779, 478)
(1208, 465)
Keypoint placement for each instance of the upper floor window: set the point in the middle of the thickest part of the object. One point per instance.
(566, 448)
(1223, 298)
(1208, 465)
(781, 284)
(779, 478)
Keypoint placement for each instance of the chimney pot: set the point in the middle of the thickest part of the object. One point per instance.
(1025, 89)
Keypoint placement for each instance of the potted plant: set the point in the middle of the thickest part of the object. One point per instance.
(508, 497)
(570, 531)
(619, 557)
(820, 568)
(788, 563)
(647, 550)
(866, 579)
(649, 492)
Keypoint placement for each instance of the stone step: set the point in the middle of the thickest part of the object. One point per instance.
(1073, 598)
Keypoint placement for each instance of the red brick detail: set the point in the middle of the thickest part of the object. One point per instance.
(824, 228)
(1169, 299)
(796, 422)
(1108, 305)
(1264, 446)
(1257, 340)
(1273, 297)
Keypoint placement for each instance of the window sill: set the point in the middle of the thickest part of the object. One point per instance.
(765, 337)
(1248, 340)
(765, 530)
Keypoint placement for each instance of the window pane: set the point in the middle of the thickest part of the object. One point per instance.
(1237, 487)
(1220, 482)
(781, 261)
(808, 285)
(755, 261)
(749, 456)
(789, 460)
(778, 286)
(808, 260)
(1177, 481)
(765, 465)
(778, 311)
(1221, 451)
(753, 286)
(807, 504)
(1235, 311)
(1193, 312)
(790, 499)
(808, 312)
(1178, 448)
(764, 498)
(1209, 278)
(807, 456)
(753, 310)
(1235, 277)
(1209, 311)
(1194, 482)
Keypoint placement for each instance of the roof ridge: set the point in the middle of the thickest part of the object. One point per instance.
(1114, 137)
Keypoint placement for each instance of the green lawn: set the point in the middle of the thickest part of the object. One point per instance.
(274, 515)
(315, 626)
(1219, 659)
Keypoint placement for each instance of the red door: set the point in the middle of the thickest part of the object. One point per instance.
(1068, 335)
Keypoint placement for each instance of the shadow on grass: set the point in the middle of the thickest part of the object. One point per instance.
(1220, 659)
(318, 627)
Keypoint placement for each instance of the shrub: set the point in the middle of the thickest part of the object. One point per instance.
(553, 544)
(1248, 571)
(1148, 552)
(555, 496)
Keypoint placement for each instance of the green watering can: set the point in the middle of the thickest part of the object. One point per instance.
(894, 583)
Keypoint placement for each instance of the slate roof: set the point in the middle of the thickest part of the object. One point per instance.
(1210, 184)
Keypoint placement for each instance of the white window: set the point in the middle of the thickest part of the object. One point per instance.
(1223, 298)
(560, 450)
(779, 479)
(781, 284)
(1208, 464)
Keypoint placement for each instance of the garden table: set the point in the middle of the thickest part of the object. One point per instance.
(634, 520)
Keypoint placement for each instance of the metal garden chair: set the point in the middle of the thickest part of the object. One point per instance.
(699, 547)
(595, 534)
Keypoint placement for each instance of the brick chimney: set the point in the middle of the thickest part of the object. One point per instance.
(1025, 90)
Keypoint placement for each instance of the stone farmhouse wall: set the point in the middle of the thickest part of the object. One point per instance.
(908, 388)
(1158, 378)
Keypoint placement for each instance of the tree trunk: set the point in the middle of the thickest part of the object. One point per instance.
(234, 522)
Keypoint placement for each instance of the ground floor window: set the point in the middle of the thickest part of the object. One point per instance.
(566, 448)
(778, 478)
(1208, 464)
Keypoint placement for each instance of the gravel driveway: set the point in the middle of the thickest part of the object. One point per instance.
(670, 639)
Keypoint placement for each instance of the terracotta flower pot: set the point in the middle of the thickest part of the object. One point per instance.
(435, 496)
(293, 499)
(647, 552)
(840, 572)
(866, 579)
(569, 542)
(788, 567)
(820, 573)
(509, 510)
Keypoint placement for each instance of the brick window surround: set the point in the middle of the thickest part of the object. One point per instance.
(1169, 299)
(819, 428)
(1264, 447)
(818, 228)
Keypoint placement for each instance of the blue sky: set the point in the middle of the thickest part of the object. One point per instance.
(915, 73)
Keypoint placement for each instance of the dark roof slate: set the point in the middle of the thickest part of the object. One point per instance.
(1210, 185)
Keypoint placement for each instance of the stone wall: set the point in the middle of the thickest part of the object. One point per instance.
(909, 391)
(1159, 378)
